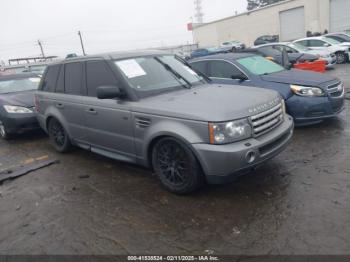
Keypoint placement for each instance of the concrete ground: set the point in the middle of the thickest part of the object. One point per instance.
(298, 203)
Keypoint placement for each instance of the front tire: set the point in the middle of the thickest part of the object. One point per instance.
(176, 166)
(58, 136)
(341, 57)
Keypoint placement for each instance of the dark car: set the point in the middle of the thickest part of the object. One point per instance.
(310, 97)
(17, 103)
(210, 51)
(265, 39)
(270, 51)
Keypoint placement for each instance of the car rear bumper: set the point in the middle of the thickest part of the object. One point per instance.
(224, 163)
(330, 61)
(20, 123)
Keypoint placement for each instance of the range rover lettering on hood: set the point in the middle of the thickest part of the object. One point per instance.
(260, 108)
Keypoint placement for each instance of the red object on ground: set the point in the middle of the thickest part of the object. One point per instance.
(317, 66)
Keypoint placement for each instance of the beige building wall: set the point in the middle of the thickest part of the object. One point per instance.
(248, 26)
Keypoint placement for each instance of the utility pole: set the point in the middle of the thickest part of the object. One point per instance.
(198, 9)
(81, 42)
(41, 48)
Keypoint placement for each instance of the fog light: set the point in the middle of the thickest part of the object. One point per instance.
(250, 157)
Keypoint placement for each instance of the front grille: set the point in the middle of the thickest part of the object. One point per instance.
(273, 145)
(336, 90)
(265, 121)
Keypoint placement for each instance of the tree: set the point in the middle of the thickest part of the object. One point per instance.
(253, 4)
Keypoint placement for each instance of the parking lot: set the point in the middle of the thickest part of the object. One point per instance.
(298, 203)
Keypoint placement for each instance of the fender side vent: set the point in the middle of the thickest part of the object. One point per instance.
(142, 122)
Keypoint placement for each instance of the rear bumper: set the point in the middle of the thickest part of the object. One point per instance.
(20, 123)
(224, 163)
(331, 61)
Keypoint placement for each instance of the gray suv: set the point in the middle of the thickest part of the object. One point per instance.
(153, 109)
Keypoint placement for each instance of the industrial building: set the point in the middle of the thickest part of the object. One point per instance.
(290, 19)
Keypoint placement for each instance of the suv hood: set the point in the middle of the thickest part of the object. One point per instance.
(209, 103)
(25, 99)
(299, 77)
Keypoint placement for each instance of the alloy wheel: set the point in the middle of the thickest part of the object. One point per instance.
(173, 163)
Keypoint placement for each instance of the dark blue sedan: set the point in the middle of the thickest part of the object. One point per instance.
(310, 97)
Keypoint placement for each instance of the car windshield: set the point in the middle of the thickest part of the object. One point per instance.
(18, 85)
(299, 47)
(259, 65)
(332, 41)
(154, 73)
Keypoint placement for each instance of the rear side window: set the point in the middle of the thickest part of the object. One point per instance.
(304, 43)
(222, 69)
(73, 78)
(98, 74)
(50, 79)
(316, 43)
(200, 66)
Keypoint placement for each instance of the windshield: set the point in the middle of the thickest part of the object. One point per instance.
(259, 65)
(332, 41)
(149, 74)
(299, 47)
(18, 85)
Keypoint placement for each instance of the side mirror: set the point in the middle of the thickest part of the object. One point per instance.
(326, 45)
(241, 77)
(108, 92)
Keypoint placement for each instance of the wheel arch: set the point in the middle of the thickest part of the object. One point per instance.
(152, 142)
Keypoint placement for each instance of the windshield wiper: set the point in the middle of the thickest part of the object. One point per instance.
(197, 71)
(176, 74)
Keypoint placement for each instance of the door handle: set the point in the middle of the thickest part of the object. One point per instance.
(91, 111)
(59, 105)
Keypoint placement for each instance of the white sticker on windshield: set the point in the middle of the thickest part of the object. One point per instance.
(131, 68)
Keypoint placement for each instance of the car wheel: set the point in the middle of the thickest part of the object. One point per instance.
(176, 166)
(341, 58)
(58, 136)
(3, 133)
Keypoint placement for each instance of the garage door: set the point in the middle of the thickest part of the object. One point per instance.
(340, 15)
(292, 24)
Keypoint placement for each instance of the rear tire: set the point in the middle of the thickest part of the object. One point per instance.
(176, 166)
(341, 57)
(58, 136)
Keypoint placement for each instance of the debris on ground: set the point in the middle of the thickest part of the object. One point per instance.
(25, 169)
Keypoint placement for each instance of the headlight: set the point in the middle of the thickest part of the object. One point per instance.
(17, 109)
(307, 90)
(229, 132)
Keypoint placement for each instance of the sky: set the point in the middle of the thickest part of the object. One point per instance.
(106, 25)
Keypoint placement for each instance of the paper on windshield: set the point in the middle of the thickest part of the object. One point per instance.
(131, 68)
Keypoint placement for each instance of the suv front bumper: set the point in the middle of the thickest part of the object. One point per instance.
(224, 163)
